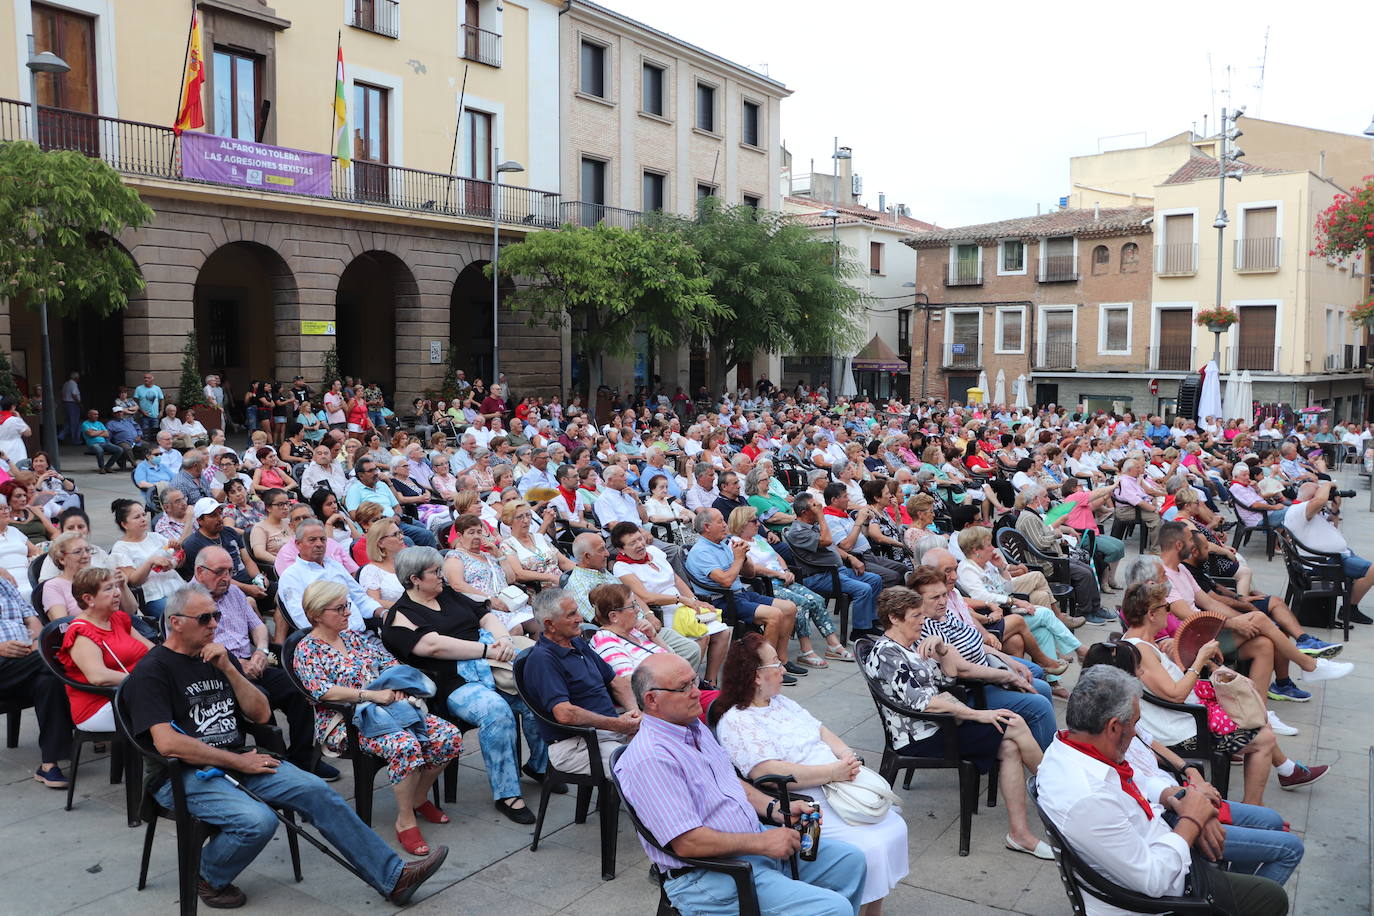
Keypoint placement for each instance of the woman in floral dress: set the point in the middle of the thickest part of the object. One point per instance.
(335, 664)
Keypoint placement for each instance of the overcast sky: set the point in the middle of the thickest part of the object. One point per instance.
(969, 112)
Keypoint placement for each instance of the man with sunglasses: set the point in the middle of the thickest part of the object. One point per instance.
(189, 696)
(243, 633)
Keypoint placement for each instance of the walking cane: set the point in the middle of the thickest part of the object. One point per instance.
(211, 772)
(785, 799)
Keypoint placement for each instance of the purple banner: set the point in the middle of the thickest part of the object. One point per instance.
(224, 160)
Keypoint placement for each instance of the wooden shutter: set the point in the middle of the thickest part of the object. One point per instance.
(1175, 340)
(964, 334)
(1011, 330)
(1262, 223)
(1116, 334)
(1255, 337)
(1178, 229)
(875, 257)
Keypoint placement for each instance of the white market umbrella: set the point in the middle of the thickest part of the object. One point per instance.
(1209, 402)
(847, 386)
(983, 385)
(1022, 394)
(999, 394)
(1245, 398)
(1230, 407)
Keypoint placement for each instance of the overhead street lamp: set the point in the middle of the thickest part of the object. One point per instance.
(925, 345)
(46, 62)
(510, 165)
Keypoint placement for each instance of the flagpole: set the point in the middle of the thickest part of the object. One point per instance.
(333, 98)
(181, 93)
(457, 132)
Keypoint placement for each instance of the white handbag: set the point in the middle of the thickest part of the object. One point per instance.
(864, 800)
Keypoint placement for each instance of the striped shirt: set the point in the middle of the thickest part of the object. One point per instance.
(678, 778)
(624, 655)
(966, 640)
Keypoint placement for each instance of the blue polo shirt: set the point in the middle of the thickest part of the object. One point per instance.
(577, 675)
(705, 558)
(651, 473)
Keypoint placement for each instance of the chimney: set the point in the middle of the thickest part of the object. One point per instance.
(1097, 211)
(882, 202)
(844, 194)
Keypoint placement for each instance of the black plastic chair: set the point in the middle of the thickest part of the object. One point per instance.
(1244, 531)
(1017, 549)
(1217, 762)
(191, 831)
(721, 597)
(1207, 895)
(13, 711)
(1122, 527)
(36, 567)
(598, 778)
(124, 765)
(1315, 577)
(952, 759)
(740, 871)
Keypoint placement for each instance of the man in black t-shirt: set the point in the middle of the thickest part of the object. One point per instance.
(188, 695)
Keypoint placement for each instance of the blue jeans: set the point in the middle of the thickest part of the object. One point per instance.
(832, 885)
(1257, 844)
(418, 533)
(494, 712)
(1036, 708)
(862, 591)
(102, 450)
(246, 825)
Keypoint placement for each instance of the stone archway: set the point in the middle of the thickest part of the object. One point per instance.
(470, 321)
(240, 291)
(374, 290)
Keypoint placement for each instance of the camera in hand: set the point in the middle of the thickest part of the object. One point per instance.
(1345, 494)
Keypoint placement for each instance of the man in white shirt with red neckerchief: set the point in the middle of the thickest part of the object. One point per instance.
(1088, 791)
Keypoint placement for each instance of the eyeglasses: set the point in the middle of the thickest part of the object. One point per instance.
(81, 551)
(774, 665)
(279, 503)
(341, 608)
(202, 619)
(685, 688)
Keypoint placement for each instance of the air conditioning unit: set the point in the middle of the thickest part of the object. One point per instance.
(857, 181)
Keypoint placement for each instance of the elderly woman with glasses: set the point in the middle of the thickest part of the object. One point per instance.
(100, 646)
(335, 665)
(766, 733)
(378, 577)
(72, 553)
(454, 638)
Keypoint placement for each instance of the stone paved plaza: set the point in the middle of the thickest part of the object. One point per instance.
(86, 860)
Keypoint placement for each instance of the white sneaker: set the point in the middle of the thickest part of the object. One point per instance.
(1278, 727)
(1327, 670)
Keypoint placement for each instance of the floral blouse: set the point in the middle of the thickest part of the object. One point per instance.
(482, 573)
(782, 730)
(906, 678)
(319, 667)
(245, 517)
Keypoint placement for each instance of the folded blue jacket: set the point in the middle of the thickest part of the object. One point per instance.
(373, 720)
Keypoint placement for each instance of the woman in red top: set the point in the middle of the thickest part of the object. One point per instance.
(100, 647)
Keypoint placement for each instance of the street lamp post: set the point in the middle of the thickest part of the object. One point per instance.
(47, 62)
(925, 345)
(509, 165)
(1225, 159)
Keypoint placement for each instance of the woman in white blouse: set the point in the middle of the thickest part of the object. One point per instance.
(378, 577)
(144, 557)
(764, 732)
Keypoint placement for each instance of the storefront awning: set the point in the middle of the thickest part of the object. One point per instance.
(877, 356)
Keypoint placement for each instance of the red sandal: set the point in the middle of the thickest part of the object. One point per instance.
(413, 841)
(432, 813)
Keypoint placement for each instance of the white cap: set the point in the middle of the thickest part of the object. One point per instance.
(205, 505)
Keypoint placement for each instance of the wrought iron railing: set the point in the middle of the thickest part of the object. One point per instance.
(1172, 357)
(585, 213)
(1258, 254)
(1055, 354)
(1058, 268)
(380, 16)
(481, 46)
(1176, 260)
(1257, 358)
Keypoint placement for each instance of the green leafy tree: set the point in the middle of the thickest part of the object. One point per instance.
(330, 372)
(606, 283)
(192, 384)
(781, 288)
(59, 213)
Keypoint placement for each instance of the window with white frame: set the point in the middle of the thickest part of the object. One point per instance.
(1011, 257)
(1011, 330)
(1114, 328)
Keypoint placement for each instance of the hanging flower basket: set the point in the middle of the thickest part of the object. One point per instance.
(1347, 225)
(1217, 319)
(1364, 314)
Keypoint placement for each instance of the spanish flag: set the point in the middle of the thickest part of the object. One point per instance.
(192, 112)
(343, 146)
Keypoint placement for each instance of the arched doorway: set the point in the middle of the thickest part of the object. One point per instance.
(372, 289)
(240, 290)
(470, 320)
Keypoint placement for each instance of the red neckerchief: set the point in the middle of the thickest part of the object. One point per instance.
(1123, 770)
(6, 414)
(569, 496)
(831, 510)
(647, 561)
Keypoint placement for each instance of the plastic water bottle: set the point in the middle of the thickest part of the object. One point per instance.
(810, 828)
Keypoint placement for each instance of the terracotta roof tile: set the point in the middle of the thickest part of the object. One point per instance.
(854, 215)
(1200, 166)
(1055, 223)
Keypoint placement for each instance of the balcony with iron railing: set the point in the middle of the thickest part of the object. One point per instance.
(1176, 260)
(964, 273)
(583, 214)
(1256, 358)
(153, 151)
(963, 356)
(1258, 255)
(380, 16)
(1055, 354)
(1058, 268)
(1172, 357)
(481, 46)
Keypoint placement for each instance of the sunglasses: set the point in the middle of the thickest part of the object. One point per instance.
(202, 619)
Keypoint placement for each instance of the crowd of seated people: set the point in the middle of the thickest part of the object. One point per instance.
(661, 535)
